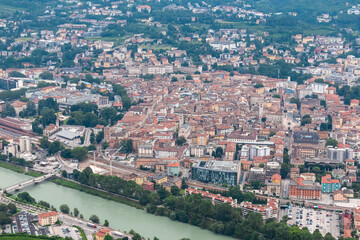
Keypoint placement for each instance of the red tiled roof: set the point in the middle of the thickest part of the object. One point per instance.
(327, 179)
(48, 214)
(174, 164)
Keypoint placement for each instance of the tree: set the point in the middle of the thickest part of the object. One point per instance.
(127, 146)
(286, 157)
(90, 120)
(100, 136)
(110, 115)
(16, 74)
(331, 142)
(64, 208)
(80, 153)
(76, 212)
(297, 102)
(106, 223)
(76, 174)
(47, 117)
(276, 96)
(48, 103)
(85, 175)
(54, 147)
(64, 174)
(285, 169)
(219, 152)
(305, 120)
(94, 219)
(92, 138)
(258, 85)
(328, 236)
(46, 76)
(316, 170)
(323, 103)
(180, 141)
(44, 143)
(108, 237)
(9, 111)
(104, 145)
(12, 208)
(25, 196)
(328, 125)
(66, 153)
(175, 190)
(30, 109)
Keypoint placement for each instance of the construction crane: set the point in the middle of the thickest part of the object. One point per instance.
(108, 158)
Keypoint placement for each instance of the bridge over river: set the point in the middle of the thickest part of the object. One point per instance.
(27, 183)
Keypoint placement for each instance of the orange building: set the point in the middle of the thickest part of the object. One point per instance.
(245, 165)
(276, 178)
(100, 235)
(299, 190)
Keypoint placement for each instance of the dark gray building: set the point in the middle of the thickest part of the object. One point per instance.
(306, 138)
(216, 172)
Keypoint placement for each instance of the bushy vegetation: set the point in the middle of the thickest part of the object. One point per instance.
(195, 210)
(6, 211)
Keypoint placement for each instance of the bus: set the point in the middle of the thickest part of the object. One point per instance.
(118, 234)
(91, 225)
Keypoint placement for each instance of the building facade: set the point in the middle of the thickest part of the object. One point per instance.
(49, 218)
(329, 185)
(216, 172)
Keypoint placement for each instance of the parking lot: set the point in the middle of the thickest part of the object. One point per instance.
(66, 231)
(325, 221)
(23, 223)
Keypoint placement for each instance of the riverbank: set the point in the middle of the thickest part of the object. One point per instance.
(96, 192)
(121, 216)
(20, 169)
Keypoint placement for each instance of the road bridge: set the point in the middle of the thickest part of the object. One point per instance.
(27, 183)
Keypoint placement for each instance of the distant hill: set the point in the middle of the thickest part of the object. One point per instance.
(302, 6)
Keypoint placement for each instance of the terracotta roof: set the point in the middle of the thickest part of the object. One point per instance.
(173, 164)
(103, 232)
(48, 214)
(327, 179)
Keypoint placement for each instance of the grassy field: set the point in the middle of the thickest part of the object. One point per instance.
(309, 30)
(318, 6)
(19, 169)
(96, 192)
(155, 47)
(12, 167)
(25, 39)
(5, 7)
(25, 237)
(116, 40)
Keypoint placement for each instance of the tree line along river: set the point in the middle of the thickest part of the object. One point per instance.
(119, 215)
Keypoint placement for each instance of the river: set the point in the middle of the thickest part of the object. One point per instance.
(9, 178)
(120, 216)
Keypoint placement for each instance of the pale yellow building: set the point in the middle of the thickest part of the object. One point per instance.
(49, 218)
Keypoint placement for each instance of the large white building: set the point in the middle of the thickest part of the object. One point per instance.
(319, 87)
(25, 144)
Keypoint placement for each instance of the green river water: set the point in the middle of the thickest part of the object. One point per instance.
(119, 215)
